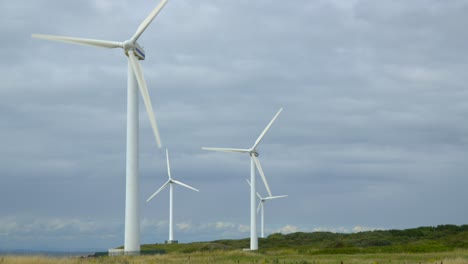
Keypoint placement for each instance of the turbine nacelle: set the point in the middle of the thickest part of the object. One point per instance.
(138, 50)
(254, 153)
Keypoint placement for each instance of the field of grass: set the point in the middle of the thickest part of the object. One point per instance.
(238, 256)
(445, 244)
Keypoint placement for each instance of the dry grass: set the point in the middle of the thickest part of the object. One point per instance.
(455, 257)
(36, 260)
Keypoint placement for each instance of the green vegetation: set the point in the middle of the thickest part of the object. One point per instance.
(447, 244)
(417, 240)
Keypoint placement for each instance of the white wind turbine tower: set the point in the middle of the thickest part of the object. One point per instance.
(261, 205)
(136, 80)
(254, 162)
(170, 182)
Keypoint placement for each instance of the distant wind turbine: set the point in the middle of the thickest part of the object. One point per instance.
(254, 162)
(261, 205)
(134, 52)
(170, 182)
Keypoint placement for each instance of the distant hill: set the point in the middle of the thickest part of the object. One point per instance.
(415, 240)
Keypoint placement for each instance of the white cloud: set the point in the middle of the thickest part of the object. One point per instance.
(20, 226)
(149, 224)
(288, 229)
(243, 228)
(355, 229)
(8, 225)
(184, 226)
(358, 229)
(58, 233)
(223, 225)
(331, 229)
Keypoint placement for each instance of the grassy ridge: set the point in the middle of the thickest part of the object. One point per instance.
(416, 240)
(447, 244)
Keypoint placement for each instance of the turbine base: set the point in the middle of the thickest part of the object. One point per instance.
(122, 252)
(116, 252)
(171, 242)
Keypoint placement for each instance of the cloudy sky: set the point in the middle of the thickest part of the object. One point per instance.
(373, 132)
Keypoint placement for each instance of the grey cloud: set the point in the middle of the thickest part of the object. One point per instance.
(372, 133)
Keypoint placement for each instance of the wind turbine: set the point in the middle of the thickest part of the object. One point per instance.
(136, 80)
(254, 162)
(261, 205)
(170, 182)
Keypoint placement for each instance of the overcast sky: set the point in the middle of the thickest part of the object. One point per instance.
(373, 135)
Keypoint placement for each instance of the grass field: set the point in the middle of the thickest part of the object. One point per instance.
(444, 244)
(237, 256)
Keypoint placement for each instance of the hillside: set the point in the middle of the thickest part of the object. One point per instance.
(415, 240)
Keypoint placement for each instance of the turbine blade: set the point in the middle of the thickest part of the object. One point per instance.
(259, 205)
(266, 129)
(185, 185)
(260, 170)
(144, 93)
(228, 150)
(258, 195)
(148, 20)
(81, 41)
(275, 197)
(158, 191)
(168, 165)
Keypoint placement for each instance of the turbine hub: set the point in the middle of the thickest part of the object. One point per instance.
(254, 152)
(128, 45)
(137, 49)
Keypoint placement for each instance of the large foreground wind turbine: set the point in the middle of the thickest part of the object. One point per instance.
(136, 80)
(170, 182)
(254, 162)
(261, 206)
